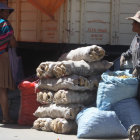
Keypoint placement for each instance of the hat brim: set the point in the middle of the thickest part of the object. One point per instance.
(5, 7)
(133, 18)
(10, 10)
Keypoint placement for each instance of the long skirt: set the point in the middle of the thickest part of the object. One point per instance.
(6, 79)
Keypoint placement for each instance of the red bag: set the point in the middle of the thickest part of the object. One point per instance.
(28, 103)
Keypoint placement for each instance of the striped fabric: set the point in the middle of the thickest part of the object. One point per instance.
(6, 31)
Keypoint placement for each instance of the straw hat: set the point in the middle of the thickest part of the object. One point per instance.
(136, 17)
(5, 7)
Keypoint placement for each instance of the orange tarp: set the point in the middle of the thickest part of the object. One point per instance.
(49, 7)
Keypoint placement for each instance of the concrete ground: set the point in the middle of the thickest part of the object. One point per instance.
(16, 132)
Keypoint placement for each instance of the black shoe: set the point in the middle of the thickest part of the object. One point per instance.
(134, 132)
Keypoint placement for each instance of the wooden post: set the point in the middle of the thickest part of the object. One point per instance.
(18, 19)
(38, 26)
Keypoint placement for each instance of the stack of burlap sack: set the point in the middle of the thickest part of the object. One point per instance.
(67, 86)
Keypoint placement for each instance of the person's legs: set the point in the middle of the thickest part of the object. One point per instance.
(4, 104)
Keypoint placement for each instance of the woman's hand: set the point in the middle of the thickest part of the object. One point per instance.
(135, 73)
(122, 60)
(13, 42)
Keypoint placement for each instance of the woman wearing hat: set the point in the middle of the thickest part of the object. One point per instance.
(6, 80)
(134, 53)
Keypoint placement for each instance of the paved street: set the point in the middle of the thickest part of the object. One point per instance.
(16, 132)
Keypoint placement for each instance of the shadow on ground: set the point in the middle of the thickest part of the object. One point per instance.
(15, 126)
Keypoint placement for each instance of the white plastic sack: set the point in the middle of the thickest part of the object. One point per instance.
(58, 125)
(45, 97)
(45, 67)
(61, 111)
(88, 53)
(43, 124)
(63, 126)
(72, 97)
(65, 68)
(82, 68)
(73, 82)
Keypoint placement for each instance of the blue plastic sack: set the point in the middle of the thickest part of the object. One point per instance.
(95, 123)
(128, 111)
(113, 89)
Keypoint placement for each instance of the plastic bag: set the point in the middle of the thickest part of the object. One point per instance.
(94, 123)
(128, 111)
(113, 89)
(16, 65)
(28, 103)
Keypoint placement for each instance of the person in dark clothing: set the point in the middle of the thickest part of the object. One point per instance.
(134, 53)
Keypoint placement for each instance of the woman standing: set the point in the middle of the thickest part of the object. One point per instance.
(7, 39)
